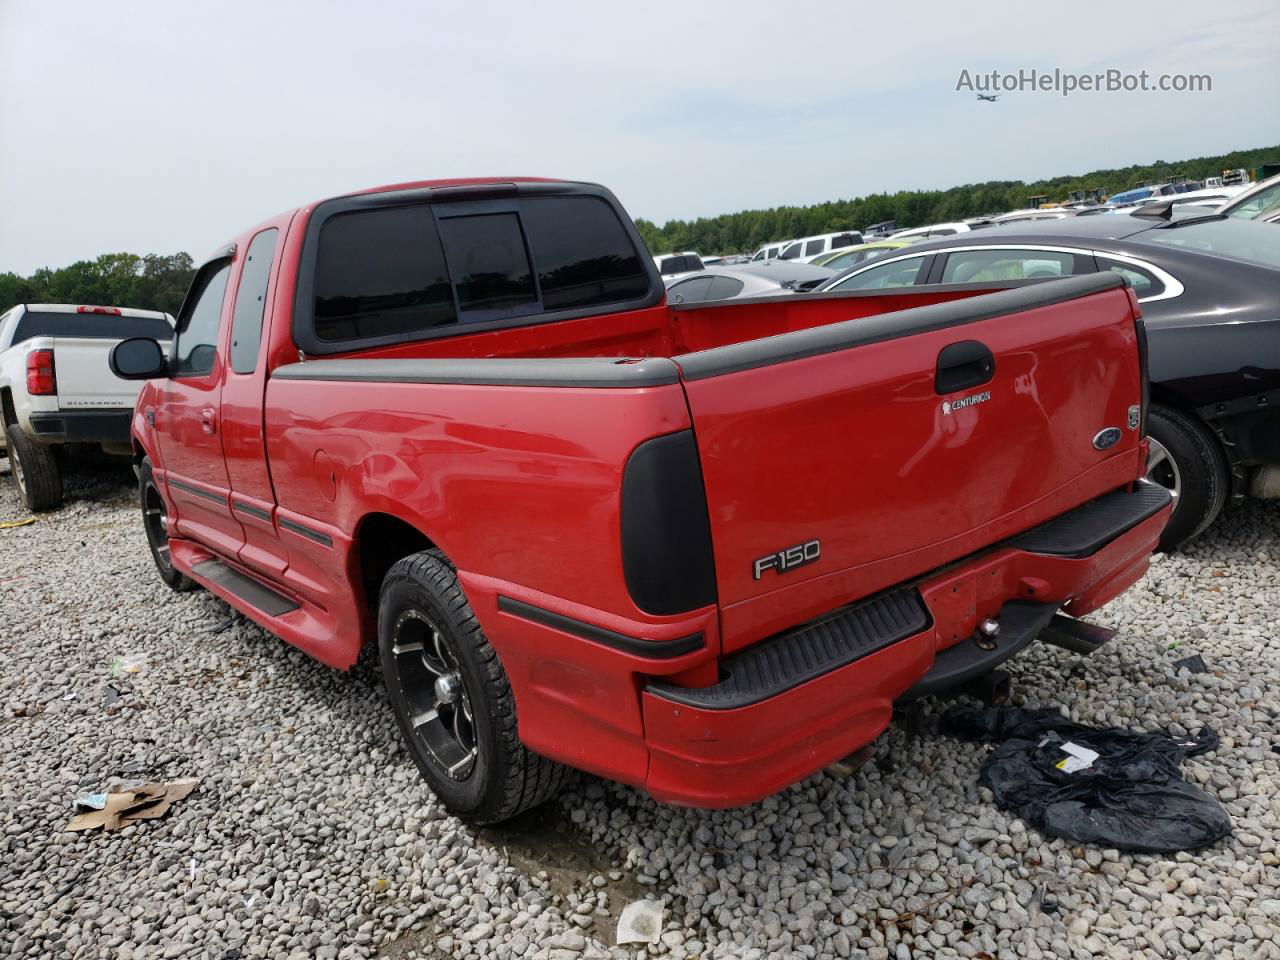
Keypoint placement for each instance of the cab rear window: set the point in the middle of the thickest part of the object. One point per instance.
(90, 326)
(392, 274)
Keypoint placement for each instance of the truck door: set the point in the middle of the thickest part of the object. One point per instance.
(253, 500)
(187, 419)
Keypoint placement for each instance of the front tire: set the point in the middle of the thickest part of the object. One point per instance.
(155, 520)
(452, 699)
(1186, 460)
(35, 471)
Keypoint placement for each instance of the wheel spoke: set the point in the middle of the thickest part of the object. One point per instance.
(400, 648)
(425, 717)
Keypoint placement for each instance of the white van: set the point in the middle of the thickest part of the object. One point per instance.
(807, 248)
(770, 251)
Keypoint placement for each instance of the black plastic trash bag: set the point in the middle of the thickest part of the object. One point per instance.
(1131, 796)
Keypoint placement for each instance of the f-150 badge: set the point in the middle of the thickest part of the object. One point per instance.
(950, 406)
(788, 558)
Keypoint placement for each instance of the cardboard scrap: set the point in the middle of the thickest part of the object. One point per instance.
(122, 807)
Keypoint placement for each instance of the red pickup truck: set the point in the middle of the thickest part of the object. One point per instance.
(699, 549)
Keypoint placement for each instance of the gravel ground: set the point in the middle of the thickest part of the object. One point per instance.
(312, 836)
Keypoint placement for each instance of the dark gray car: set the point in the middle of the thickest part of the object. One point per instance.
(1209, 288)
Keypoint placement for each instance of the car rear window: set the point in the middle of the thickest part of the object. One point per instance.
(1233, 239)
(93, 326)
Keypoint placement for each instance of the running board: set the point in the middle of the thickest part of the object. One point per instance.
(249, 590)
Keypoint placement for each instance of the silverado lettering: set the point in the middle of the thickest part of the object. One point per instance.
(549, 497)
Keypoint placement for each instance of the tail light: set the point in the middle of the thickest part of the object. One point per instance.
(41, 381)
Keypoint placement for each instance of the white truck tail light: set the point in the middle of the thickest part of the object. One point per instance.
(41, 381)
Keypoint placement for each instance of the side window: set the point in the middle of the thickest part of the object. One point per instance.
(670, 265)
(724, 288)
(977, 266)
(1260, 201)
(584, 255)
(251, 302)
(814, 247)
(379, 273)
(844, 240)
(490, 265)
(792, 251)
(197, 336)
(693, 290)
(900, 273)
(772, 254)
(1145, 283)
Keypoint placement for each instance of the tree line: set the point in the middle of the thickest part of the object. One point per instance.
(746, 231)
(150, 282)
(159, 282)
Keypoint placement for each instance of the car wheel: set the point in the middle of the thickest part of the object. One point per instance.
(35, 471)
(155, 520)
(1186, 460)
(451, 696)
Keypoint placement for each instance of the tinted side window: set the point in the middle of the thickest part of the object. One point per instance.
(791, 252)
(900, 273)
(198, 325)
(975, 266)
(722, 288)
(844, 240)
(381, 272)
(693, 290)
(251, 301)
(583, 254)
(814, 247)
(1145, 283)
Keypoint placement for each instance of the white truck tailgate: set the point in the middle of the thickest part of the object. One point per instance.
(84, 376)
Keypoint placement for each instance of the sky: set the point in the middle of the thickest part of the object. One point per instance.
(153, 127)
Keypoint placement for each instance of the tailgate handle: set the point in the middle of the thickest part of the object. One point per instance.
(963, 365)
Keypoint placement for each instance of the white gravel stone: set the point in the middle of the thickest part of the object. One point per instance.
(313, 836)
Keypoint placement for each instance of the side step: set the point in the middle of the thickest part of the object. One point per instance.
(246, 588)
(776, 665)
(1020, 623)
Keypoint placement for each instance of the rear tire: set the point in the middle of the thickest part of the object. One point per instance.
(1186, 460)
(452, 699)
(155, 521)
(35, 471)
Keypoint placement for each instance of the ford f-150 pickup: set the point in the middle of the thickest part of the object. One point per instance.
(56, 389)
(700, 549)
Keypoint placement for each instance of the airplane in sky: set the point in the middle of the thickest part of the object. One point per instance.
(989, 98)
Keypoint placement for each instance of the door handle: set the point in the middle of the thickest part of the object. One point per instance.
(962, 365)
(207, 422)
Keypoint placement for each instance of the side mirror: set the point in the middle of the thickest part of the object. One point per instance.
(138, 358)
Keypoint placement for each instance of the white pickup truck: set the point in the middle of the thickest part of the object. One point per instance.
(57, 389)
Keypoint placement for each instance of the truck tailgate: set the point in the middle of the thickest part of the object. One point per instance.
(84, 377)
(844, 459)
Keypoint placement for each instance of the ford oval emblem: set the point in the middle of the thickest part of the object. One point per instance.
(1106, 438)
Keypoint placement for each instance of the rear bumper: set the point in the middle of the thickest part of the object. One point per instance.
(81, 426)
(790, 705)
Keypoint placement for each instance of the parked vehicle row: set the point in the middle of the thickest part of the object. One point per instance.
(57, 392)
(471, 427)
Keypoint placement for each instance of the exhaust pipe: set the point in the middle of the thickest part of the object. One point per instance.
(1075, 635)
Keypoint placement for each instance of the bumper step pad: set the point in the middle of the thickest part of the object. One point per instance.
(1090, 527)
(790, 659)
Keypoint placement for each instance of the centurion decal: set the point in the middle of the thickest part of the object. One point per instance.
(950, 406)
